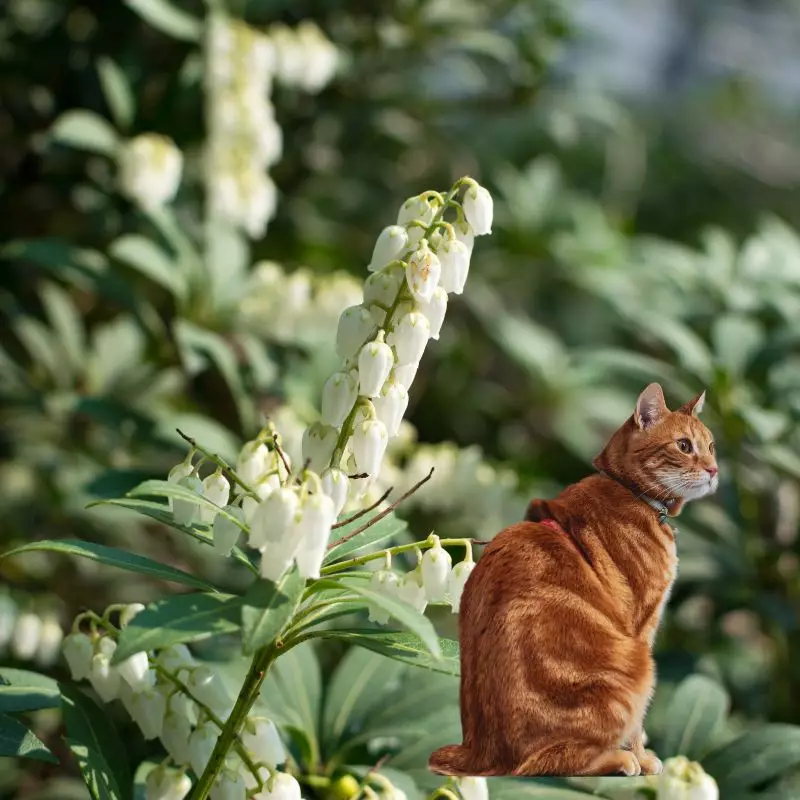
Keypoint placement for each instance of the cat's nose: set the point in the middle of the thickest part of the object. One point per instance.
(712, 471)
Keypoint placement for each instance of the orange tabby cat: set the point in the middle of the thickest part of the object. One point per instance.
(558, 618)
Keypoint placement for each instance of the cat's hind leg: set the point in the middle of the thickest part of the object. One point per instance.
(578, 758)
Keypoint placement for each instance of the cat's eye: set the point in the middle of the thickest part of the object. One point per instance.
(684, 445)
(711, 448)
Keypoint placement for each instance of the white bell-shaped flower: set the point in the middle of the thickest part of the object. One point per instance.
(369, 442)
(50, 637)
(284, 787)
(252, 461)
(411, 591)
(473, 788)
(150, 706)
(335, 484)
(435, 568)
(262, 740)
(338, 396)
(176, 657)
(201, 746)
(390, 407)
(182, 706)
(26, 636)
(375, 362)
(273, 519)
(434, 310)
(250, 780)
(409, 337)
(276, 558)
(128, 613)
(682, 779)
(8, 619)
(423, 272)
(392, 243)
(317, 515)
(180, 471)
(135, 670)
(386, 583)
(421, 208)
(206, 685)
(78, 651)
(454, 257)
(225, 531)
(104, 678)
(184, 512)
(166, 784)
(228, 786)
(150, 167)
(465, 234)
(175, 733)
(265, 486)
(319, 442)
(404, 375)
(457, 581)
(355, 327)
(478, 209)
(217, 489)
(382, 287)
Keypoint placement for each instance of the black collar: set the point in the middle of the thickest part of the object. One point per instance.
(658, 505)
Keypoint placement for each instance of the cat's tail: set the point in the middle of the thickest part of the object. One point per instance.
(459, 761)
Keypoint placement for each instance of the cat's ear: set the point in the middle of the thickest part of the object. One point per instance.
(694, 407)
(650, 407)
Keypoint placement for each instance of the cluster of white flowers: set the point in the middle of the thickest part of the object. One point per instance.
(29, 636)
(298, 308)
(150, 167)
(682, 779)
(173, 698)
(244, 138)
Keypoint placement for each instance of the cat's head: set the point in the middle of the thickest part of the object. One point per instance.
(668, 455)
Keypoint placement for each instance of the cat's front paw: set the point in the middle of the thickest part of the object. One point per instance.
(650, 763)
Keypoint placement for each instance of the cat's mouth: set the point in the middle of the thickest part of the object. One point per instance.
(699, 487)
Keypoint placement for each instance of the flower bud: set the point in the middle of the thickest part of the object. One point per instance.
(225, 532)
(390, 407)
(682, 779)
(8, 619)
(150, 167)
(201, 745)
(27, 633)
(128, 613)
(434, 310)
(176, 657)
(421, 208)
(50, 638)
(454, 257)
(164, 784)
(179, 471)
(182, 706)
(465, 234)
(317, 515)
(355, 328)
(457, 581)
(335, 484)
(392, 243)
(261, 738)
(338, 396)
(136, 671)
(78, 651)
(265, 486)
(375, 362)
(411, 591)
(284, 787)
(435, 569)
(277, 557)
(404, 376)
(369, 444)
(252, 462)
(386, 583)
(423, 272)
(216, 489)
(319, 442)
(273, 519)
(175, 733)
(228, 786)
(104, 678)
(382, 287)
(409, 337)
(473, 788)
(149, 709)
(185, 511)
(478, 209)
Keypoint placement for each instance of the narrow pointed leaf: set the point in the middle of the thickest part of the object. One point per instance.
(168, 19)
(387, 528)
(86, 130)
(21, 690)
(117, 91)
(267, 607)
(16, 741)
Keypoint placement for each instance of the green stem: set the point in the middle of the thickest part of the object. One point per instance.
(220, 462)
(259, 667)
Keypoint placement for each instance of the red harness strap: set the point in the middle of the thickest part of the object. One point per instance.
(551, 523)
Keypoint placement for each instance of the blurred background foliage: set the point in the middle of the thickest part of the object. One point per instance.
(645, 171)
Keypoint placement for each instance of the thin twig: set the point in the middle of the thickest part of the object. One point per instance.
(218, 460)
(363, 511)
(281, 454)
(358, 475)
(388, 510)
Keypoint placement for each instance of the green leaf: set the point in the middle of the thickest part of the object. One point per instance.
(755, 757)
(66, 322)
(168, 19)
(160, 512)
(156, 488)
(389, 527)
(147, 258)
(117, 91)
(94, 741)
(16, 741)
(181, 618)
(86, 130)
(736, 338)
(21, 690)
(402, 780)
(267, 607)
(361, 680)
(431, 731)
(515, 789)
(405, 614)
(228, 257)
(405, 647)
(696, 712)
(113, 557)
